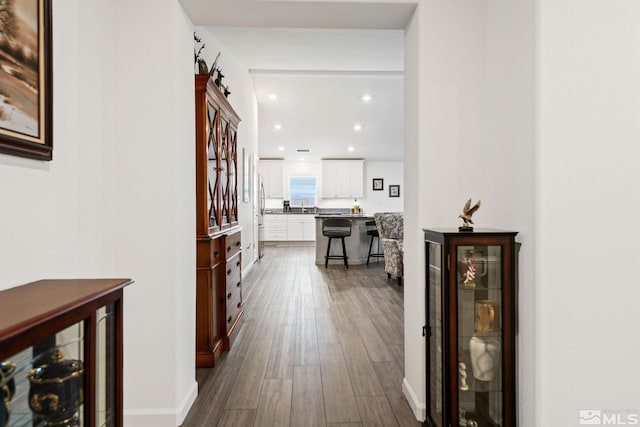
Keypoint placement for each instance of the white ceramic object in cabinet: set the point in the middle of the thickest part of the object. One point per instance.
(342, 179)
(272, 174)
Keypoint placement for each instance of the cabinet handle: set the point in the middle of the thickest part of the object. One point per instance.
(238, 285)
(239, 304)
(229, 272)
(228, 248)
(216, 254)
(238, 243)
(229, 295)
(238, 264)
(229, 319)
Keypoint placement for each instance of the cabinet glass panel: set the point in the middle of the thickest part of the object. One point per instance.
(225, 171)
(435, 397)
(43, 385)
(233, 176)
(212, 156)
(479, 290)
(105, 362)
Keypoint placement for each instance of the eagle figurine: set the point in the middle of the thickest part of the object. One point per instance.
(467, 213)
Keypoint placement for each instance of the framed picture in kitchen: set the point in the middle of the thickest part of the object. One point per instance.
(26, 79)
(378, 184)
(394, 191)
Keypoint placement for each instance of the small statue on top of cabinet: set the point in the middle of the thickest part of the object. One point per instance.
(467, 213)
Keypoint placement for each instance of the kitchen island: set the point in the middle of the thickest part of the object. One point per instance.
(357, 244)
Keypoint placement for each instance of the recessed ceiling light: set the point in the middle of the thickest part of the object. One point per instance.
(280, 148)
(350, 148)
(273, 97)
(366, 97)
(277, 126)
(357, 127)
(302, 159)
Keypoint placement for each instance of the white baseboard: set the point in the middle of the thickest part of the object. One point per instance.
(419, 408)
(187, 402)
(162, 417)
(246, 270)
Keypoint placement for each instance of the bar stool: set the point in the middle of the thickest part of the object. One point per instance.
(374, 235)
(336, 228)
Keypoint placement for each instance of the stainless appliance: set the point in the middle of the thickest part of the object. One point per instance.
(261, 207)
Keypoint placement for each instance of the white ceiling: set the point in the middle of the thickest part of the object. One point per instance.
(318, 74)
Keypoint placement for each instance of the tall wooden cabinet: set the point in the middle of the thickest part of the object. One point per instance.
(471, 328)
(218, 239)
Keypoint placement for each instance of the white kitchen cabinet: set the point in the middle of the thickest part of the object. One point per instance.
(272, 176)
(275, 227)
(309, 230)
(342, 179)
(301, 227)
(289, 227)
(356, 178)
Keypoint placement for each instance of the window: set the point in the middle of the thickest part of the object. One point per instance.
(303, 190)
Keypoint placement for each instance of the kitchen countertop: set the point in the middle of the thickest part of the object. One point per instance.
(307, 211)
(344, 215)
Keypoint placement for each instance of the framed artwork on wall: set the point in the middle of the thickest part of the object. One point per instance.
(378, 184)
(26, 79)
(246, 175)
(394, 191)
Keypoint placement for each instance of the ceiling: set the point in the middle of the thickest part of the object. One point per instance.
(318, 74)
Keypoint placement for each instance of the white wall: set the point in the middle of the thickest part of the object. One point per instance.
(150, 221)
(41, 201)
(468, 133)
(244, 101)
(373, 201)
(587, 177)
(117, 199)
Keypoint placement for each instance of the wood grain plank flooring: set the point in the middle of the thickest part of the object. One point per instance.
(307, 407)
(274, 408)
(319, 347)
(339, 398)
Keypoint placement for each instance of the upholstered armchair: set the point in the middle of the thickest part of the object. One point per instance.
(391, 229)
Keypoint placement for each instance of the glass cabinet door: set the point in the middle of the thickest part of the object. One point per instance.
(43, 384)
(478, 277)
(435, 337)
(212, 165)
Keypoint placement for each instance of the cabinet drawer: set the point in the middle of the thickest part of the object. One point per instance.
(233, 273)
(270, 218)
(275, 226)
(233, 244)
(234, 307)
(216, 250)
(275, 235)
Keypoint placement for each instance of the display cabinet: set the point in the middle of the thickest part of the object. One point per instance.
(218, 236)
(470, 328)
(61, 353)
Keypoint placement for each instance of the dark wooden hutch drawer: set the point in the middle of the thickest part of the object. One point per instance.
(234, 244)
(210, 251)
(234, 307)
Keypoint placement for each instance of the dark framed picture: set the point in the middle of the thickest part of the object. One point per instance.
(26, 79)
(394, 191)
(378, 184)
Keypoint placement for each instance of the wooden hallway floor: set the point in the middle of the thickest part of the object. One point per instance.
(319, 347)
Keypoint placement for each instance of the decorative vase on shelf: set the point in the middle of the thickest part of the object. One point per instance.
(55, 391)
(485, 356)
(487, 317)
